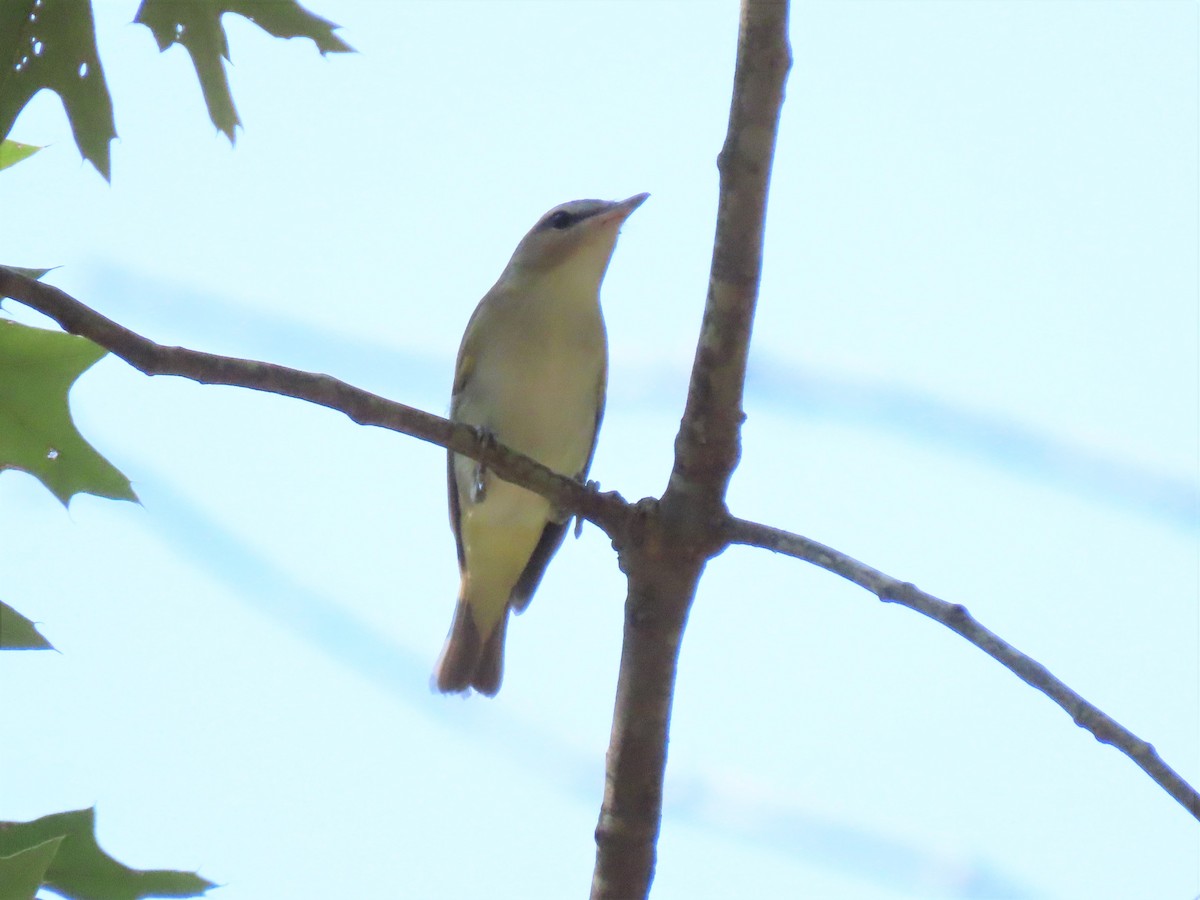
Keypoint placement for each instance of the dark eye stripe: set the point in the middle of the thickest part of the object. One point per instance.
(559, 220)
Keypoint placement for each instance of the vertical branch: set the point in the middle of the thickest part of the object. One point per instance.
(708, 444)
(661, 587)
(669, 542)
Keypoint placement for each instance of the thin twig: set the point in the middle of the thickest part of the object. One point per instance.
(955, 617)
(609, 511)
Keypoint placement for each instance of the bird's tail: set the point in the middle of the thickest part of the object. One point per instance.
(469, 659)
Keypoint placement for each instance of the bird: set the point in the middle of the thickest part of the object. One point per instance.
(531, 373)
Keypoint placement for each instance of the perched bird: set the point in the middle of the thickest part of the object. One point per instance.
(532, 372)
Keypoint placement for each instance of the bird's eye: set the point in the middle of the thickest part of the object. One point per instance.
(560, 220)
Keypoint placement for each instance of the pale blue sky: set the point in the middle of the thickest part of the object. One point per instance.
(975, 366)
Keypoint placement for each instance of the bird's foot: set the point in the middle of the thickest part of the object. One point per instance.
(591, 486)
(479, 482)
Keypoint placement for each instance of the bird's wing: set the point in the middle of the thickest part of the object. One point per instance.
(455, 512)
(464, 367)
(601, 396)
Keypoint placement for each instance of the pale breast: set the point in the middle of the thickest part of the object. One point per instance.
(536, 385)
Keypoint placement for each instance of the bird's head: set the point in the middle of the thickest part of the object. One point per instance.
(574, 241)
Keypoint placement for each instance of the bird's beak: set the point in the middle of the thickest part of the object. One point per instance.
(621, 210)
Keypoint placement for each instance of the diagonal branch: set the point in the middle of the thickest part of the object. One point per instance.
(609, 511)
(955, 617)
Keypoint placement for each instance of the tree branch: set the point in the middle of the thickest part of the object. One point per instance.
(673, 539)
(621, 521)
(609, 511)
(957, 619)
(663, 545)
(708, 445)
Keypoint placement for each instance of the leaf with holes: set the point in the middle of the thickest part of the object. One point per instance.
(81, 870)
(197, 26)
(37, 369)
(52, 44)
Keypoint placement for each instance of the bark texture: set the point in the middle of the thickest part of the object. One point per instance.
(672, 539)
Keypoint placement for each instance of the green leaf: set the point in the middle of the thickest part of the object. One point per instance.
(52, 44)
(18, 633)
(35, 274)
(25, 871)
(82, 871)
(12, 152)
(196, 24)
(37, 369)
